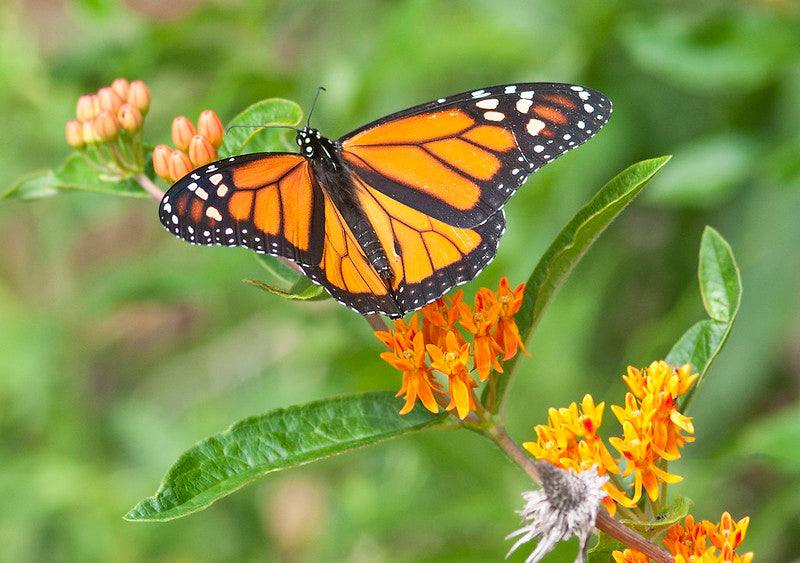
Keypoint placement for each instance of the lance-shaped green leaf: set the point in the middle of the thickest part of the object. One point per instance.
(277, 440)
(721, 288)
(247, 131)
(286, 281)
(73, 174)
(571, 244)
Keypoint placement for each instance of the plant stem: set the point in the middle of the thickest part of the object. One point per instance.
(148, 186)
(604, 522)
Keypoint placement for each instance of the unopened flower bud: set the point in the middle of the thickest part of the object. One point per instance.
(130, 118)
(201, 152)
(106, 126)
(74, 133)
(182, 132)
(109, 99)
(88, 133)
(121, 87)
(139, 96)
(210, 127)
(161, 156)
(179, 165)
(85, 108)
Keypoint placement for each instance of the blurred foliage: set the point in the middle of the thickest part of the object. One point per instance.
(121, 346)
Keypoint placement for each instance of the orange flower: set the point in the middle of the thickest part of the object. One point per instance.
(727, 532)
(408, 356)
(439, 318)
(480, 322)
(506, 333)
(629, 556)
(452, 361)
(688, 542)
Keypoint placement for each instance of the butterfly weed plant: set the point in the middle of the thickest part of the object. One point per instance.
(456, 361)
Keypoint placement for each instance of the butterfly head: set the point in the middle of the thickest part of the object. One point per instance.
(314, 146)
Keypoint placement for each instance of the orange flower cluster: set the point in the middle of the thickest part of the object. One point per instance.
(108, 127)
(194, 147)
(689, 543)
(436, 338)
(651, 426)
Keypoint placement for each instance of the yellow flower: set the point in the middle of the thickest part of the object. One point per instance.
(570, 441)
(452, 361)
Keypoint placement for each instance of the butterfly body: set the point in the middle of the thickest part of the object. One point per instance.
(394, 214)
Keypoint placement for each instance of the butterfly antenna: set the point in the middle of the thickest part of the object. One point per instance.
(229, 127)
(313, 105)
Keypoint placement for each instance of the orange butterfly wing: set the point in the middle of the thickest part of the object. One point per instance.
(459, 159)
(264, 201)
(427, 256)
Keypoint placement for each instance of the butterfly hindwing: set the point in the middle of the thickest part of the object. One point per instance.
(460, 158)
(427, 256)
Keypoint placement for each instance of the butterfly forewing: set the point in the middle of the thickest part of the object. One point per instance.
(264, 201)
(460, 158)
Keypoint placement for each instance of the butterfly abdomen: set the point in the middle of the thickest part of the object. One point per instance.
(333, 176)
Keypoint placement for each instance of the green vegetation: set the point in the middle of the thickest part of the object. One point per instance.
(123, 346)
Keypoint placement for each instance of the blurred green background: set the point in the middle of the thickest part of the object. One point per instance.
(121, 346)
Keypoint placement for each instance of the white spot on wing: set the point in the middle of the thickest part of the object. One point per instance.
(524, 105)
(201, 193)
(526, 95)
(213, 213)
(511, 89)
(222, 190)
(490, 103)
(535, 126)
(588, 108)
(494, 116)
(215, 179)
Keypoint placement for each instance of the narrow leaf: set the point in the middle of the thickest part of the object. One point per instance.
(73, 174)
(721, 288)
(303, 290)
(279, 439)
(572, 243)
(286, 281)
(273, 111)
(33, 186)
(720, 283)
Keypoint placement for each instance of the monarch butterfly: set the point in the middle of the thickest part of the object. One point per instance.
(394, 214)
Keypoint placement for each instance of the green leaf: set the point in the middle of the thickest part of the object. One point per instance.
(273, 111)
(572, 243)
(303, 290)
(721, 288)
(286, 281)
(34, 186)
(279, 439)
(73, 174)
